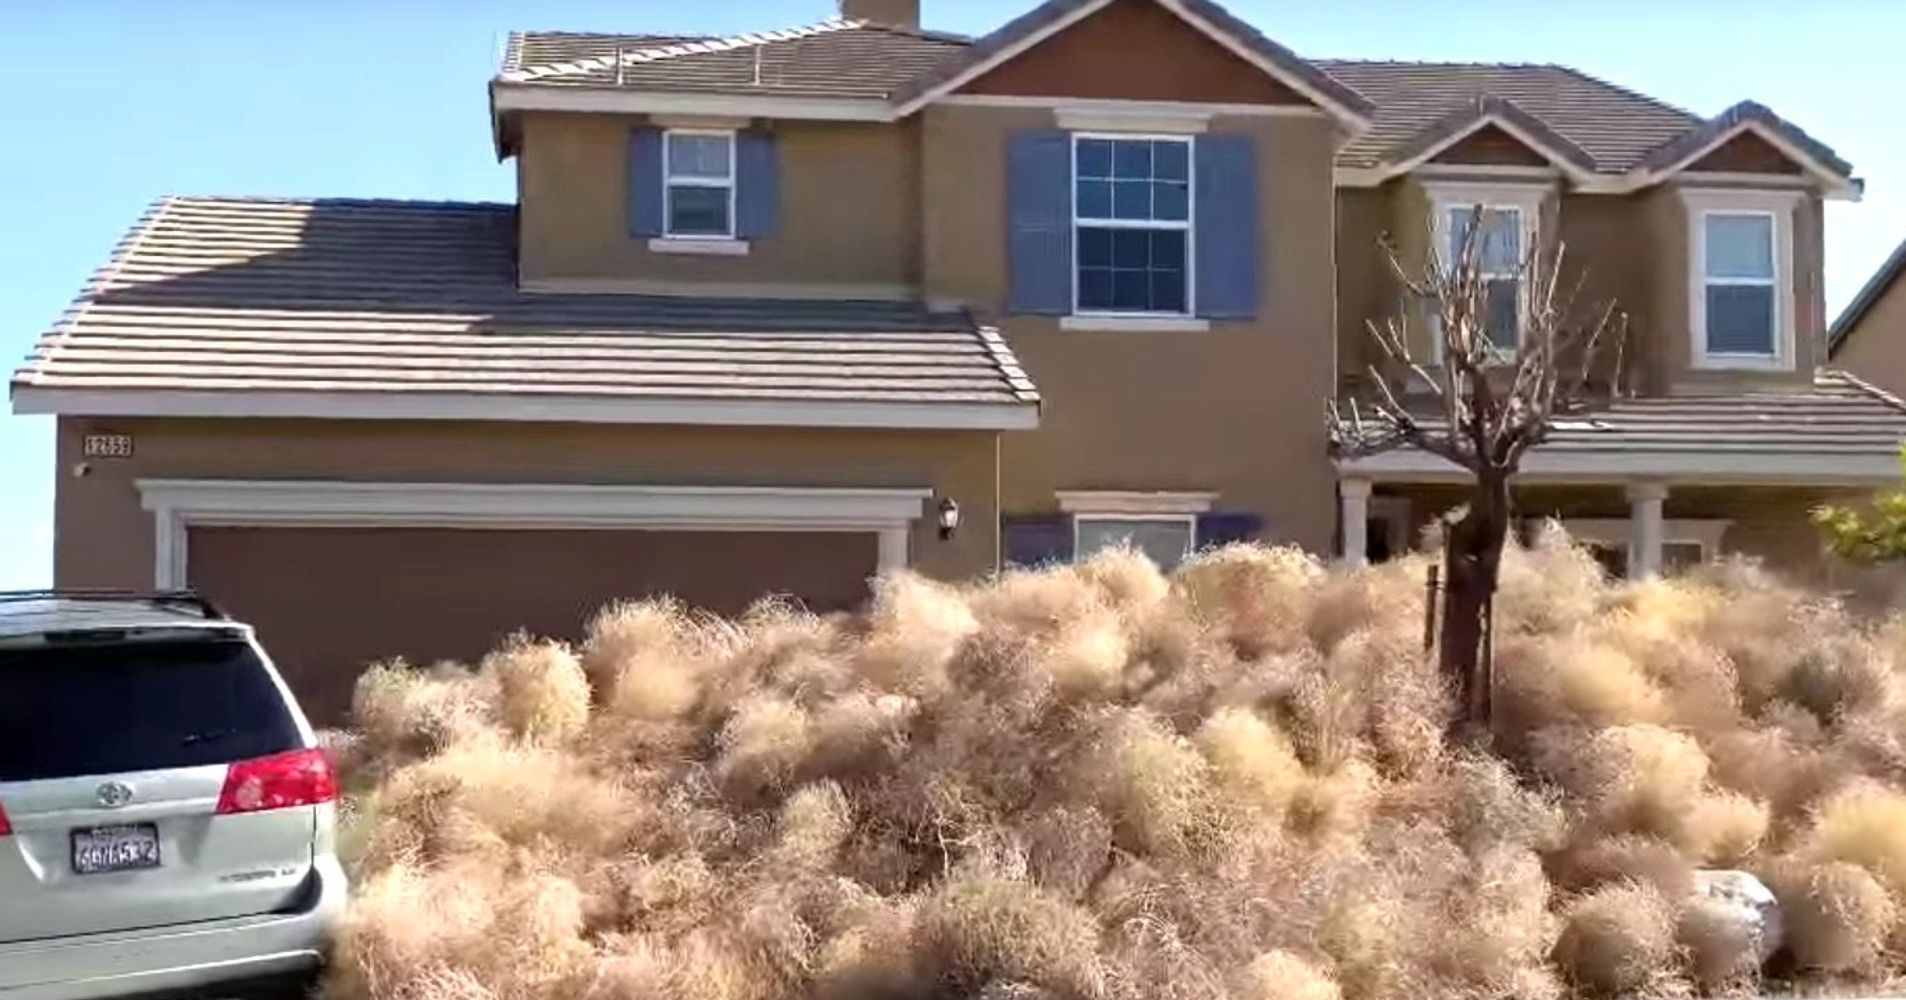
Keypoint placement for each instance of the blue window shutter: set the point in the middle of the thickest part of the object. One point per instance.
(1227, 254)
(1039, 222)
(1215, 530)
(1036, 541)
(757, 185)
(647, 216)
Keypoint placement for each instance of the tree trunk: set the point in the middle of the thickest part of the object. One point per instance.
(1473, 557)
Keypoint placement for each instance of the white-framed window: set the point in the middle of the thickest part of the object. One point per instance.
(1741, 280)
(1685, 542)
(699, 179)
(1508, 217)
(1132, 230)
(1168, 539)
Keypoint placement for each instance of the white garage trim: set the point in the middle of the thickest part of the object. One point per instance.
(178, 504)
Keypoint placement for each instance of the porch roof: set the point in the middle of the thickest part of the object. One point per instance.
(387, 309)
(1838, 430)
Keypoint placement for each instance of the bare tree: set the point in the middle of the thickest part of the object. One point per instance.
(1481, 404)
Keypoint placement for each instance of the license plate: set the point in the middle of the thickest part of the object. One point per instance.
(103, 849)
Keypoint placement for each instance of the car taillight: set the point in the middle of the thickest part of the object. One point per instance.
(281, 781)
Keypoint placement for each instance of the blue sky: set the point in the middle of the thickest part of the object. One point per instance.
(116, 103)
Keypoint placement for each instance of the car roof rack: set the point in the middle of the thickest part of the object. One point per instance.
(187, 599)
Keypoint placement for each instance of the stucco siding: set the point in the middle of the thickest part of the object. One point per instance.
(105, 539)
(1876, 350)
(849, 211)
(1237, 410)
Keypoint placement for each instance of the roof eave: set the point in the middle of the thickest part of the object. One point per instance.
(1690, 466)
(514, 96)
(30, 396)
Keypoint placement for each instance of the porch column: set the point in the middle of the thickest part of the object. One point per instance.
(1353, 496)
(1645, 502)
(893, 548)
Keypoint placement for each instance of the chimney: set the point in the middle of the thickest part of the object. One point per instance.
(903, 13)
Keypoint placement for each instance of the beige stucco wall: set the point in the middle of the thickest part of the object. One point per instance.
(1237, 409)
(104, 538)
(1630, 250)
(1876, 349)
(849, 211)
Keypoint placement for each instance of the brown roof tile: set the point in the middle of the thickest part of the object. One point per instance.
(1837, 414)
(378, 296)
(1595, 124)
(828, 59)
(1614, 126)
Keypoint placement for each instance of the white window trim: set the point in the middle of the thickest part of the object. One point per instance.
(1523, 199)
(1776, 205)
(1619, 532)
(179, 504)
(1133, 323)
(670, 182)
(1122, 503)
(705, 246)
(1188, 226)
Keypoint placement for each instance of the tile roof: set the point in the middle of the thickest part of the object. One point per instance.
(829, 59)
(1837, 414)
(1617, 128)
(1596, 125)
(387, 296)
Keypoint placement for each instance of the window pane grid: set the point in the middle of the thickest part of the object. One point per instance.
(1739, 272)
(700, 183)
(1132, 222)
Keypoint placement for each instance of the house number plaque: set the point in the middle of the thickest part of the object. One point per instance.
(108, 446)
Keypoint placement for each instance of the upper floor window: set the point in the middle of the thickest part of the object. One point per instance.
(1738, 283)
(1132, 226)
(1503, 219)
(1499, 251)
(1740, 271)
(700, 183)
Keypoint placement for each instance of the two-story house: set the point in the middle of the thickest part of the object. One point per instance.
(775, 311)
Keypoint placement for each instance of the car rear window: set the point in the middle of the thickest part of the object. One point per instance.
(77, 708)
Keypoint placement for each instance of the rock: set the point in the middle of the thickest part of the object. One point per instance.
(1740, 897)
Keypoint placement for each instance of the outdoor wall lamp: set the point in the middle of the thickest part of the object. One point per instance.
(949, 518)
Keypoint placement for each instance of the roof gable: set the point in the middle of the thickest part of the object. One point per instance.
(1747, 153)
(1490, 146)
(1133, 50)
(1207, 17)
(1750, 118)
(1492, 127)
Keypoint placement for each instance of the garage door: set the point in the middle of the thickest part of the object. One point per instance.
(327, 601)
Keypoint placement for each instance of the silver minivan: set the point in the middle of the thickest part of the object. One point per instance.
(166, 816)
